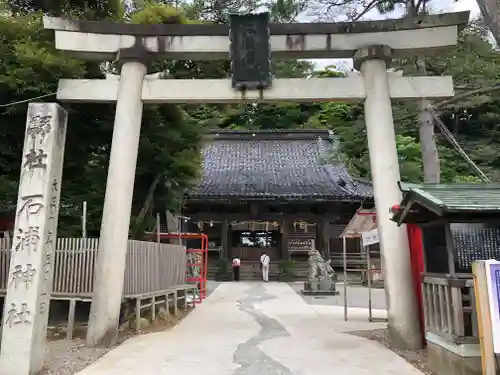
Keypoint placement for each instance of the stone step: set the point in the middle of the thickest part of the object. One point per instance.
(250, 271)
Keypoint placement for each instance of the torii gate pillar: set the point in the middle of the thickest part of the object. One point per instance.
(112, 254)
(396, 264)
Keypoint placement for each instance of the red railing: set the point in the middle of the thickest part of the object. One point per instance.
(201, 280)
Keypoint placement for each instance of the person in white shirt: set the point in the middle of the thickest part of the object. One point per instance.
(264, 265)
(236, 268)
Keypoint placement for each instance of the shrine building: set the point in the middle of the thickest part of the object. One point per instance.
(275, 191)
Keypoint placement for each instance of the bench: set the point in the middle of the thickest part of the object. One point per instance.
(176, 296)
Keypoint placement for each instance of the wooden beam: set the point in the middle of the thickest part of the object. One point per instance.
(321, 233)
(325, 237)
(205, 216)
(285, 227)
(71, 319)
(283, 90)
(225, 238)
(450, 248)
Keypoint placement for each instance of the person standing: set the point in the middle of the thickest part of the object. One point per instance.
(236, 268)
(264, 265)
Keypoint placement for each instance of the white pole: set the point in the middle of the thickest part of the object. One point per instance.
(402, 311)
(369, 267)
(158, 237)
(84, 220)
(110, 267)
(344, 252)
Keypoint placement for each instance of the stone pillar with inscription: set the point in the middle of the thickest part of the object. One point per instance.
(26, 308)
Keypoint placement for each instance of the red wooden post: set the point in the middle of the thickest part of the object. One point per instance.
(417, 264)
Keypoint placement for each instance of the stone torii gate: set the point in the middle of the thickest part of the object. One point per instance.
(371, 44)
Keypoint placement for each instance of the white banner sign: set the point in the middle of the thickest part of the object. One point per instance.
(370, 237)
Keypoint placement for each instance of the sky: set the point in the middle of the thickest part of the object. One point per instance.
(439, 6)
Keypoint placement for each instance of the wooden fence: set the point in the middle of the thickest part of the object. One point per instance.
(150, 267)
(449, 308)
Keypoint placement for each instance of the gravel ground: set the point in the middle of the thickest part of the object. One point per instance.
(417, 357)
(67, 357)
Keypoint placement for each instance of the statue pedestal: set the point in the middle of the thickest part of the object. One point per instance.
(325, 287)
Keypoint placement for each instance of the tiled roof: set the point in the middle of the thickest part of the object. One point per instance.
(456, 197)
(274, 164)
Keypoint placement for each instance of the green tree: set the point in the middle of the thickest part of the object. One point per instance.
(472, 115)
(169, 147)
(90, 9)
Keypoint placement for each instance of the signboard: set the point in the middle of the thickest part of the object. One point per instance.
(302, 245)
(370, 237)
(493, 281)
(362, 221)
(250, 51)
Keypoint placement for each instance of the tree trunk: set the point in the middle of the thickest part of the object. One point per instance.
(430, 155)
(490, 10)
(146, 207)
(137, 229)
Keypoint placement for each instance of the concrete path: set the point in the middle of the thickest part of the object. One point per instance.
(256, 329)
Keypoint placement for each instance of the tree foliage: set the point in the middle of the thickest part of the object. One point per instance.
(169, 155)
(90, 9)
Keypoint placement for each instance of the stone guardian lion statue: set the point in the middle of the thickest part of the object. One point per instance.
(318, 268)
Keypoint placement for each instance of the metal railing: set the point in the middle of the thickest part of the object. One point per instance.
(150, 266)
(449, 308)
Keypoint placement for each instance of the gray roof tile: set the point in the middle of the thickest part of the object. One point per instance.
(274, 164)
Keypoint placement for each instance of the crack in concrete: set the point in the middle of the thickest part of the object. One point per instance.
(251, 359)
